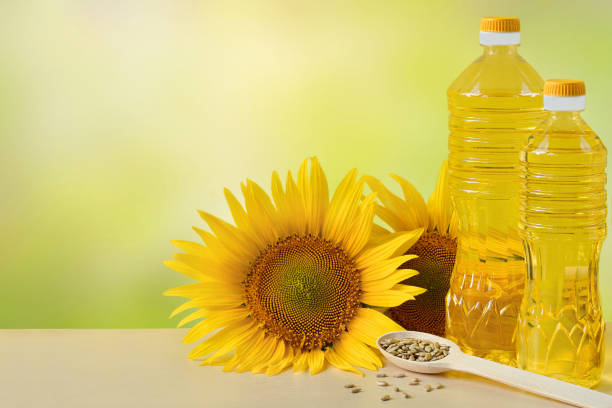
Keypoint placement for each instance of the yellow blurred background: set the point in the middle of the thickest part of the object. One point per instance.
(119, 119)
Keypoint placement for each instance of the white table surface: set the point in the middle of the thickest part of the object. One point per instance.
(150, 368)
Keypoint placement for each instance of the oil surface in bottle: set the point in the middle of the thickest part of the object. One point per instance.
(563, 224)
(495, 104)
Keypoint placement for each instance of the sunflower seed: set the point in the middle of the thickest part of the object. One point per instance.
(406, 395)
(381, 375)
(349, 386)
(439, 386)
(397, 389)
(356, 390)
(400, 375)
(428, 387)
(385, 398)
(382, 383)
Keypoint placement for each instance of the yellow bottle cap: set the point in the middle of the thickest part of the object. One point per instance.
(500, 25)
(564, 87)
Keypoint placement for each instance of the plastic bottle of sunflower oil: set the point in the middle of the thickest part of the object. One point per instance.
(495, 104)
(563, 225)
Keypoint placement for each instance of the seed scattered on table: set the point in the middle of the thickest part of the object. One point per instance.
(397, 389)
(381, 375)
(382, 383)
(406, 395)
(400, 375)
(356, 390)
(428, 388)
(415, 349)
(349, 386)
(414, 382)
(439, 386)
(385, 398)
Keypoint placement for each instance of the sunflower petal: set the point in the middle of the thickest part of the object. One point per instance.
(240, 331)
(357, 353)
(344, 205)
(417, 210)
(439, 204)
(300, 362)
(359, 233)
(316, 361)
(214, 322)
(398, 242)
(369, 325)
(384, 268)
(388, 282)
(392, 297)
(334, 359)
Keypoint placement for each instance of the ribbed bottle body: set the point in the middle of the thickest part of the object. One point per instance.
(494, 106)
(563, 225)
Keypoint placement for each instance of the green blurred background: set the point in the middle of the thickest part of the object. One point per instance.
(119, 119)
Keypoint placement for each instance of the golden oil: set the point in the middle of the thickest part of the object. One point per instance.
(563, 224)
(495, 104)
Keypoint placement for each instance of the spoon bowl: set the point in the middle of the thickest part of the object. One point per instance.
(457, 360)
(425, 367)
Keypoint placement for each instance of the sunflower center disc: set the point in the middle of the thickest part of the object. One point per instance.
(435, 265)
(304, 290)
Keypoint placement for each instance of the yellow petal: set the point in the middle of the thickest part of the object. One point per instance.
(285, 362)
(359, 232)
(208, 268)
(316, 361)
(238, 213)
(261, 212)
(199, 314)
(190, 247)
(369, 325)
(356, 353)
(334, 359)
(186, 270)
(384, 268)
(398, 242)
(191, 290)
(417, 210)
(277, 356)
(392, 297)
(214, 322)
(439, 204)
(231, 344)
(240, 331)
(394, 211)
(388, 282)
(198, 302)
(300, 362)
(343, 207)
(234, 240)
(316, 196)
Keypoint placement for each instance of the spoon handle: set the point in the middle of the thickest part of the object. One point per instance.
(538, 384)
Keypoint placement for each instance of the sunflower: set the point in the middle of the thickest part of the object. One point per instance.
(295, 281)
(436, 248)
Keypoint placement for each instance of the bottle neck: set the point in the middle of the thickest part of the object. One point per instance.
(566, 115)
(500, 49)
